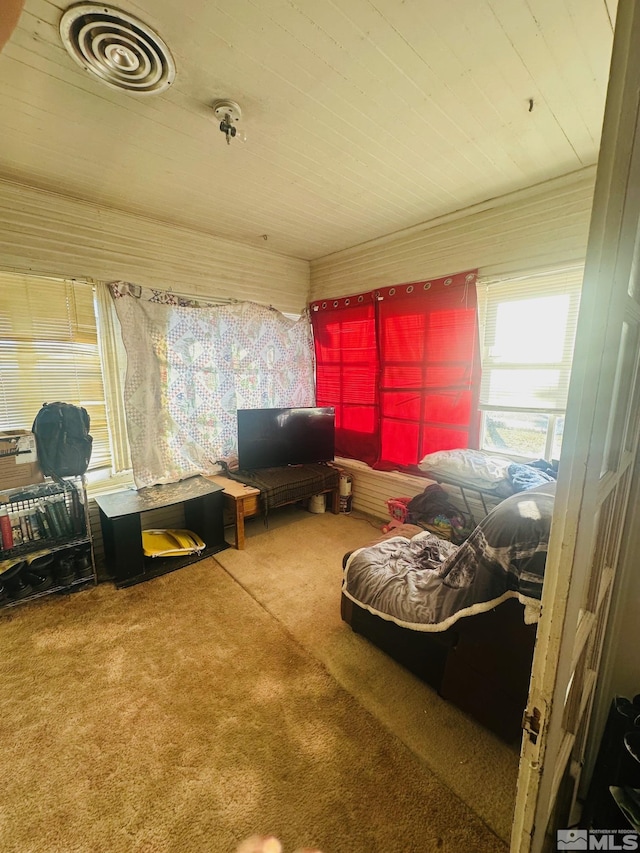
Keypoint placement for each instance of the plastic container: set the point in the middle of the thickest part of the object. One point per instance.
(317, 503)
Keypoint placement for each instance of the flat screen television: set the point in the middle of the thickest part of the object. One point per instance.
(273, 438)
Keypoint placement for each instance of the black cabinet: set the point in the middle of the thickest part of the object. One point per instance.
(121, 520)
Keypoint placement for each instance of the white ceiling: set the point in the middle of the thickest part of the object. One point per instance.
(363, 117)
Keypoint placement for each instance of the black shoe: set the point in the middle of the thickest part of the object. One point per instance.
(39, 581)
(625, 708)
(628, 800)
(13, 583)
(632, 742)
(17, 588)
(43, 564)
(64, 571)
(82, 563)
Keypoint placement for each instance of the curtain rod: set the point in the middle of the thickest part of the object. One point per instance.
(137, 289)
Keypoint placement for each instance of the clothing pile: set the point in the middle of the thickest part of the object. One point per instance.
(433, 511)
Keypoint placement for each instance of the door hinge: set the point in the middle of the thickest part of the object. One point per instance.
(531, 723)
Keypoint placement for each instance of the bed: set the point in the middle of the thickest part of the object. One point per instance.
(461, 617)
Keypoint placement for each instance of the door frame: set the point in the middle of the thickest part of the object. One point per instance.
(569, 645)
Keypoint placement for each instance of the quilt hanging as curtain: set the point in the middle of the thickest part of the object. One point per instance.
(401, 366)
(190, 367)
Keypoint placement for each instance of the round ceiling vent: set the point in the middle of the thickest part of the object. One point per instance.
(120, 50)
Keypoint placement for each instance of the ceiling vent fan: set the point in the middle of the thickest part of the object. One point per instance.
(120, 50)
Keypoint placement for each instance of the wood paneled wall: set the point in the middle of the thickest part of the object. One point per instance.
(50, 234)
(538, 227)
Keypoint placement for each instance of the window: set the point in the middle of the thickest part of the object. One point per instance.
(49, 351)
(528, 332)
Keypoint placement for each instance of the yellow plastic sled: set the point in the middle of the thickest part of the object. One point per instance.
(171, 543)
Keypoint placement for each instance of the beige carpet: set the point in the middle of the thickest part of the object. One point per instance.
(294, 569)
(178, 716)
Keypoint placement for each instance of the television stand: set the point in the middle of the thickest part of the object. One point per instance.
(276, 487)
(121, 520)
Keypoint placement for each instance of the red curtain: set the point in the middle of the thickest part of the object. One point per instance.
(429, 368)
(347, 372)
(401, 366)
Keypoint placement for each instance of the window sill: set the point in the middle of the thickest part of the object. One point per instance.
(101, 482)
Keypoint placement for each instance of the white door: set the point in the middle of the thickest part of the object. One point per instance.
(600, 440)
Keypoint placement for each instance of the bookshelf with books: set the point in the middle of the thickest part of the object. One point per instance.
(45, 540)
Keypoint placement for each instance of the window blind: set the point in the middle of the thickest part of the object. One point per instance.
(528, 327)
(48, 352)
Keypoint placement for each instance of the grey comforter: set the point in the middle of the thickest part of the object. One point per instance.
(427, 583)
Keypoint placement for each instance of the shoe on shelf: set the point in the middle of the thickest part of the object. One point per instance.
(18, 589)
(628, 800)
(41, 562)
(14, 585)
(632, 742)
(38, 580)
(82, 562)
(64, 571)
(625, 707)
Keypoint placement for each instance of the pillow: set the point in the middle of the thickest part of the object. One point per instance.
(472, 467)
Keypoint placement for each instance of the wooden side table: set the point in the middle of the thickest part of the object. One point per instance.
(243, 501)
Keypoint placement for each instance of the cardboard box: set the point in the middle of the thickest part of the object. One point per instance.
(18, 459)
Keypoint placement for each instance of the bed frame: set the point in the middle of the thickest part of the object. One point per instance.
(482, 664)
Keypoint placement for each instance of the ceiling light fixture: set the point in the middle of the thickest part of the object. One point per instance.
(228, 114)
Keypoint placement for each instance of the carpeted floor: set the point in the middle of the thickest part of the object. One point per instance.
(294, 569)
(179, 716)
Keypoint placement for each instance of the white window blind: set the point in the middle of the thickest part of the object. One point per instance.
(48, 352)
(528, 329)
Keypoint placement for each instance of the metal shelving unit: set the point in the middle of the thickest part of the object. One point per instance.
(51, 539)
